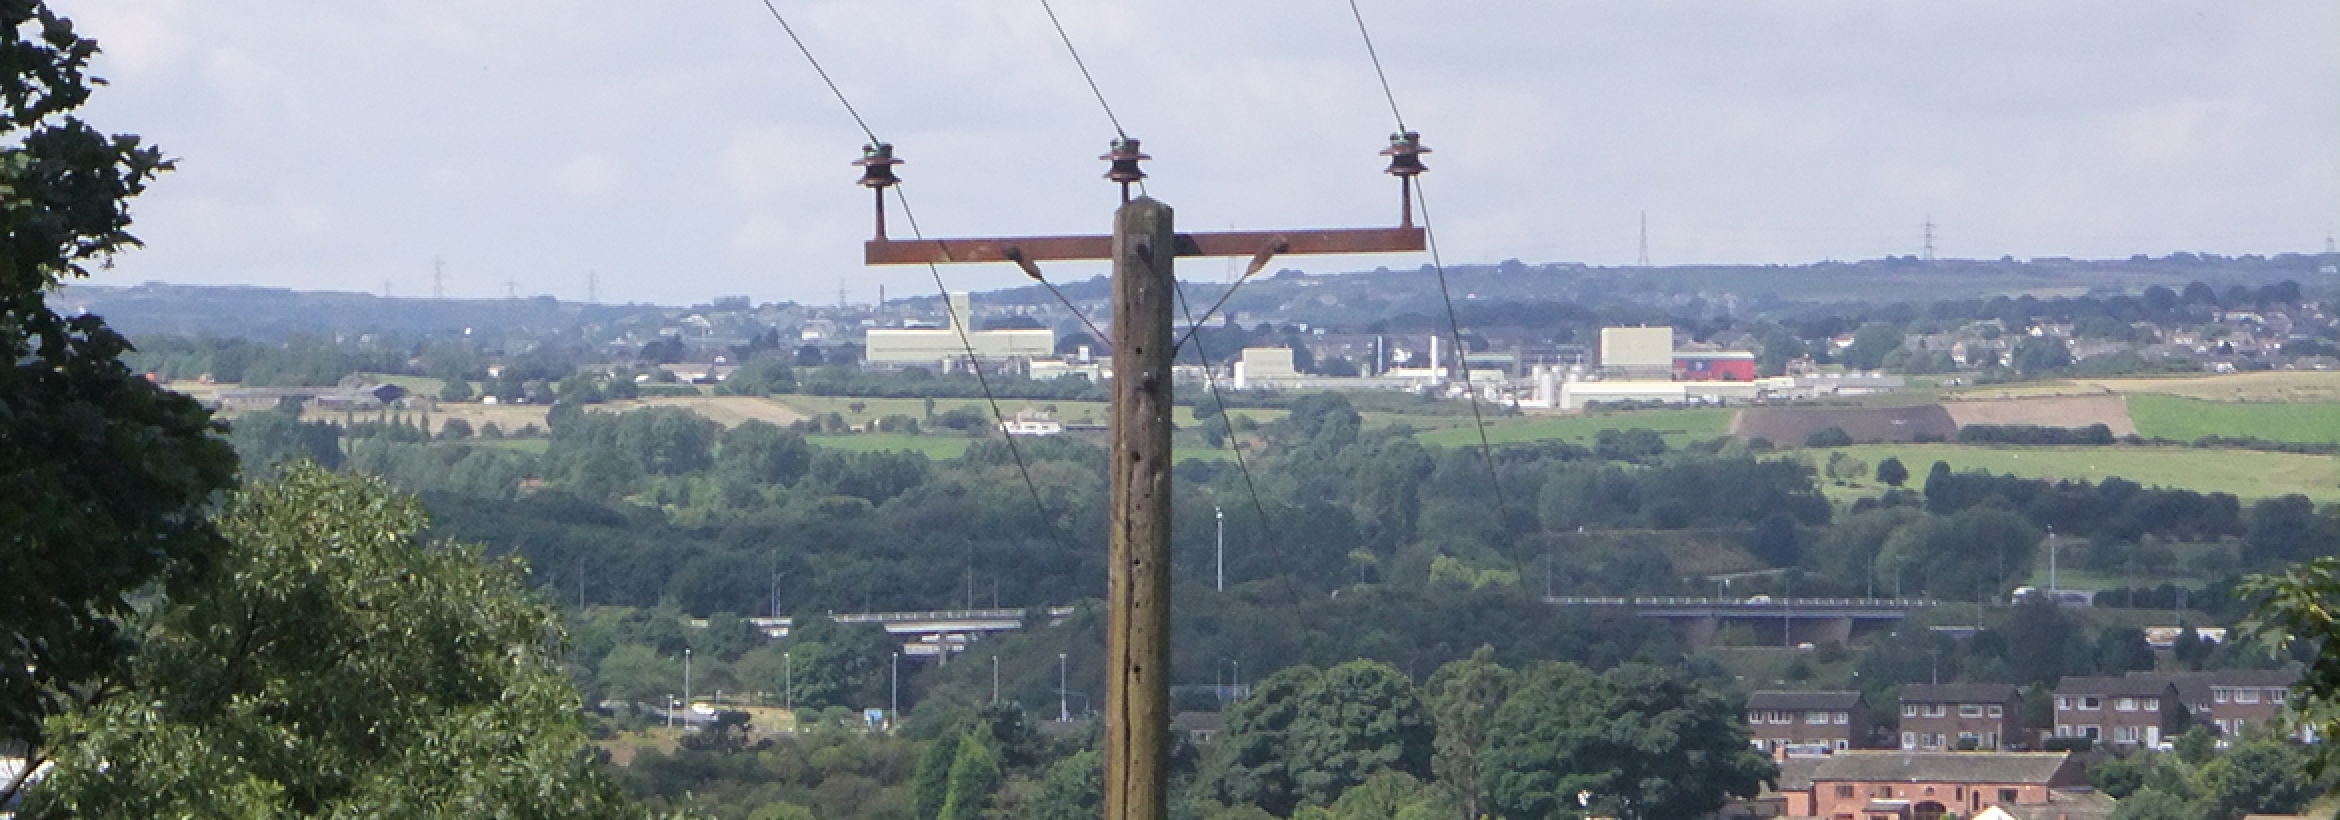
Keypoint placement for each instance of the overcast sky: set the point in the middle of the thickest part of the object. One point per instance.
(683, 150)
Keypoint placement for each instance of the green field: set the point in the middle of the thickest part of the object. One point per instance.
(2184, 419)
(1069, 412)
(2247, 474)
(935, 447)
(1678, 426)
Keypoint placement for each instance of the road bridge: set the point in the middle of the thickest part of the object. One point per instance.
(924, 633)
(1793, 620)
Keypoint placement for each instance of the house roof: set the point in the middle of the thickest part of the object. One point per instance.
(1195, 722)
(2255, 677)
(1802, 701)
(1795, 773)
(2047, 768)
(1957, 693)
(2142, 687)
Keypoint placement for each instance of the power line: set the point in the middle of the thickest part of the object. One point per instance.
(816, 67)
(1084, 67)
(1376, 56)
(1454, 324)
(1461, 355)
(967, 342)
(975, 364)
(1251, 488)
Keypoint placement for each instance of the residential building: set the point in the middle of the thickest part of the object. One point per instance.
(2123, 712)
(1831, 720)
(1968, 716)
(1905, 785)
(2233, 701)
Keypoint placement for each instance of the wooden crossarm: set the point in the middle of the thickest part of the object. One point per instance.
(1066, 248)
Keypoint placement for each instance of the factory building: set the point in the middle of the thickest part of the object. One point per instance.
(944, 349)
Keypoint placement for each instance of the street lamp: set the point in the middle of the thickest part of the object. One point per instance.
(686, 676)
(788, 680)
(1222, 550)
(894, 694)
(670, 710)
(1063, 710)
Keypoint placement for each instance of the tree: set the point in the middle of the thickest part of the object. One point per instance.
(1892, 472)
(1635, 743)
(334, 664)
(2036, 355)
(108, 476)
(1072, 789)
(2300, 606)
(1463, 696)
(1358, 719)
(932, 784)
(1870, 344)
(2258, 776)
(974, 776)
(1249, 762)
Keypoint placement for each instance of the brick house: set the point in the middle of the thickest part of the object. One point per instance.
(1899, 785)
(2232, 701)
(2121, 713)
(1834, 720)
(1961, 716)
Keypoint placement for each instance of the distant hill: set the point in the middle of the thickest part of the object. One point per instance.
(272, 314)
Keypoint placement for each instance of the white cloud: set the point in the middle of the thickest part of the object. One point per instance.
(534, 139)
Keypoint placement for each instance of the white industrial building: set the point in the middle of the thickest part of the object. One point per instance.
(945, 349)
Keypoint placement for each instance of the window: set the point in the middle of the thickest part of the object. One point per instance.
(1968, 738)
(2220, 694)
(1967, 710)
(1909, 740)
(2006, 795)
(2153, 704)
(1760, 745)
(2063, 730)
(2124, 734)
(1844, 790)
(2238, 725)
(2063, 704)
(1842, 745)
(2125, 704)
(1816, 718)
(2246, 696)
(2091, 732)
(2274, 696)
(1841, 718)
(1783, 716)
(1998, 711)
(1909, 710)
(1936, 710)
(2091, 704)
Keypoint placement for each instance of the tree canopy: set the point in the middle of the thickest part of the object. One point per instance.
(108, 476)
(335, 665)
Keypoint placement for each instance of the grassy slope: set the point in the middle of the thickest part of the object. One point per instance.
(2184, 419)
(2245, 473)
(1677, 425)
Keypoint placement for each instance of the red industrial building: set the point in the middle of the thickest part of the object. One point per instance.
(1714, 366)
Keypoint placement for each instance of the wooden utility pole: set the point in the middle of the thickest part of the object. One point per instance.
(1137, 623)
(1143, 248)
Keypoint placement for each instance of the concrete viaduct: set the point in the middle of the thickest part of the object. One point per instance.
(1787, 621)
